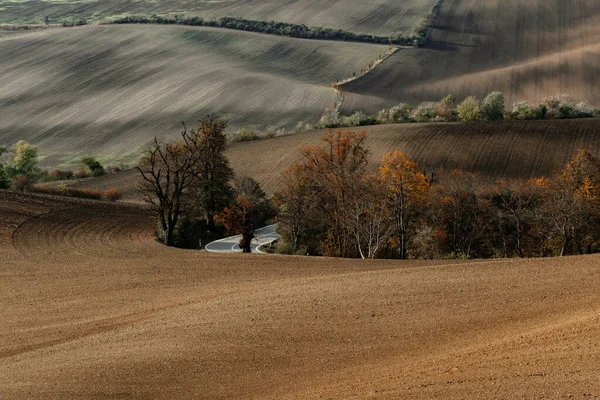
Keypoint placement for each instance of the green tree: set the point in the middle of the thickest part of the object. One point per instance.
(469, 109)
(492, 107)
(96, 169)
(25, 160)
(212, 171)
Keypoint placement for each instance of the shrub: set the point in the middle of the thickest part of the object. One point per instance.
(70, 192)
(492, 107)
(469, 109)
(358, 118)
(425, 112)
(584, 110)
(4, 181)
(449, 100)
(245, 135)
(96, 169)
(21, 183)
(59, 175)
(525, 111)
(113, 194)
(329, 119)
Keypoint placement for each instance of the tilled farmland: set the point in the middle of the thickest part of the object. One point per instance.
(526, 49)
(93, 307)
(107, 90)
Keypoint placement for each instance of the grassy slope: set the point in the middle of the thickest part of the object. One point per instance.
(92, 307)
(527, 49)
(107, 90)
(381, 17)
(511, 149)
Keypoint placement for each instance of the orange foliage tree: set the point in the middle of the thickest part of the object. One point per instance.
(406, 193)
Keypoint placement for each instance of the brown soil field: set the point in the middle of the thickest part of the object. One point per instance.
(380, 17)
(526, 49)
(107, 90)
(93, 307)
(509, 149)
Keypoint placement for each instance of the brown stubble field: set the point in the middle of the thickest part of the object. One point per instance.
(92, 307)
(526, 49)
(107, 90)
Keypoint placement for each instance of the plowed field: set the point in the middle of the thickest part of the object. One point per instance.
(526, 49)
(107, 90)
(92, 307)
(380, 17)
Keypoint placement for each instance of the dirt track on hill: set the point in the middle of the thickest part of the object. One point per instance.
(89, 319)
(526, 49)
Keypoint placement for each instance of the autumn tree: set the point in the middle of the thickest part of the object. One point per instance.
(518, 204)
(462, 211)
(335, 170)
(300, 225)
(405, 191)
(370, 217)
(249, 210)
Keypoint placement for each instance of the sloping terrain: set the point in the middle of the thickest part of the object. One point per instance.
(527, 49)
(509, 149)
(380, 17)
(107, 90)
(92, 307)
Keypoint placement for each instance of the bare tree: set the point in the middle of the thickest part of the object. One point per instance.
(168, 171)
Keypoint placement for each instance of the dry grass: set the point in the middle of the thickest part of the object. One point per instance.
(527, 49)
(107, 90)
(92, 307)
(382, 17)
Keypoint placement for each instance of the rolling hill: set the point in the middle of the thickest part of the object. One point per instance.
(526, 49)
(380, 17)
(107, 90)
(93, 307)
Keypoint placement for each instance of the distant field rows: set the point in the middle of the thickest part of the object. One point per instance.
(379, 17)
(107, 90)
(526, 49)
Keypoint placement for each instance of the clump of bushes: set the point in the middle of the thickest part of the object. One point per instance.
(74, 22)
(91, 166)
(70, 192)
(63, 190)
(113, 194)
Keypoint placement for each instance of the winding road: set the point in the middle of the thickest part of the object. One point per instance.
(263, 236)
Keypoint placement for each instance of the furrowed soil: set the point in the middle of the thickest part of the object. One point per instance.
(93, 307)
(380, 17)
(495, 150)
(526, 49)
(108, 90)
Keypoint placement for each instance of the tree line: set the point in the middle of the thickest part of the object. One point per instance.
(330, 205)
(282, 29)
(491, 108)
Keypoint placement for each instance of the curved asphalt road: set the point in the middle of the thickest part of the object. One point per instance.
(262, 236)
